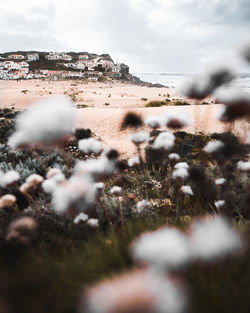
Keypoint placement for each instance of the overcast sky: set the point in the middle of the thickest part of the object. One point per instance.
(148, 35)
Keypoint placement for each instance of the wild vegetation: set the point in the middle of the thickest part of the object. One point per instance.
(45, 268)
(83, 230)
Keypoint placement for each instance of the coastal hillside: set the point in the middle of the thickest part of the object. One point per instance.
(60, 65)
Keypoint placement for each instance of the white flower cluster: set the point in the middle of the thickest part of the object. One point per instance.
(202, 86)
(164, 140)
(181, 170)
(82, 217)
(133, 161)
(174, 156)
(176, 119)
(45, 122)
(220, 181)
(142, 205)
(138, 138)
(219, 203)
(214, 146)
(116, 190)
(243, 166)
(77, 191)
(169, 248)
(101, 166)
(141, 289)
(9, 178)
(153, 121)
(187, 190)
(89, 145)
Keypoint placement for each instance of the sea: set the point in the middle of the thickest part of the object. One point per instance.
(175, 80)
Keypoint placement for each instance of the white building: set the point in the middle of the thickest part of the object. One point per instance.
(16, 57)
(58, 56)
(66, 57)
(24, 64)
(83, 57)
(93, 79)
(32, 57)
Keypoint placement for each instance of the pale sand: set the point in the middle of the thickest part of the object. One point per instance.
(104, 121)
(116, 95)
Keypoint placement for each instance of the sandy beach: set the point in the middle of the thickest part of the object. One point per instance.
(106, 103)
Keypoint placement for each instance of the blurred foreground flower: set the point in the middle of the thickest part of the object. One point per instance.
(138, 138)
(176, 119)
(212, 238)
(181, 170)
(44, 123)
(153, 121)
(167, 248)
(187, 190)
(243, 166)
(214, 146)
(9, 178)
(236, 104)
(137, 292)
(89, 145)
(164, 140)
(203, 86)
(7, 201)
(76, 194)
(80, 218)
(21, 230)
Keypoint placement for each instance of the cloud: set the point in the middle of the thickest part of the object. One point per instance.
(156, 35)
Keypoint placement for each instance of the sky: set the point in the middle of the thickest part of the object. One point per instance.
(149, 35)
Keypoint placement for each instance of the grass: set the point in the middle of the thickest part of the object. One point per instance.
(159, 103)
(156, 103)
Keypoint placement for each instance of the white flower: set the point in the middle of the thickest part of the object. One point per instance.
(78, 191)
(214, 146)
(176, 119)
(166, 247)
(99, 185)
(136, 291)
(133, 161)
(44, 122)
(219, 203)
(164, 140)
(243, 166)
(7, 201)
(116, 190)
(187, 190)
(93, 223)
(53, 171)
(138, 138)
(9, 178)
(34, 179)
(141, 205)
(89, 145)
(212, 238)
(174, 156)
(153, 121)
(50, 184)
(202, 86)
(81, 218)
(180, 173)
(220, 181)
(100, 166)
(181, 165)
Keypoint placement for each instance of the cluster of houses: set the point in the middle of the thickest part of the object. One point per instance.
(16, 66)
